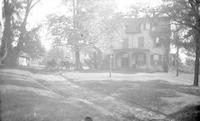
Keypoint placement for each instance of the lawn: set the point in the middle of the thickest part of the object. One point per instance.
(24, 99)
(29, 96)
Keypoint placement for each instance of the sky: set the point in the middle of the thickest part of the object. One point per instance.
(46, 7)
(40, 12)
(123, 4)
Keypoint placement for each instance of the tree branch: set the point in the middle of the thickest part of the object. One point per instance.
(188, 24)
(34, 4)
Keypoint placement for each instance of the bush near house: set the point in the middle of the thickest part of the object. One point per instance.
(51, 63)
(188, 66)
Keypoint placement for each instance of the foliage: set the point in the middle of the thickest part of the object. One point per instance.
(162, 31)
(95, 23)
(56, 53)
(187, 13)
(16, 13)
(94, 61)
(32, 45)
(59, 28)
(51, 63)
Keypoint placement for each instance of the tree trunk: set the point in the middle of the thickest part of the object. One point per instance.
(6, 23)
(11, 59)
(196, 72)
(95, 60)
(177, 62)
(77, 58)
(166, 61)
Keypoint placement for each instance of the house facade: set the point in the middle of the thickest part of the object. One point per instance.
(24, 59)
(138, 49)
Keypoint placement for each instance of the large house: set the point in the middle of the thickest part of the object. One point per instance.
(138, 49)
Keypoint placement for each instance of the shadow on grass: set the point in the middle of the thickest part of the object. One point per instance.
(147, 94)
(189, 113)
(18, 80)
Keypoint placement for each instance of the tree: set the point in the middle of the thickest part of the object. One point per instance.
(16, 13)
(7, 11)
(33, 44)
(163, 32)
(187, 13)
(177, 38)
(94, 61)
(63, 33)
(95, 24)
(56, 53)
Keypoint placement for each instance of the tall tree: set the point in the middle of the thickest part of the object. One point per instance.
(16, 14)
(96, 24)
(162, 31)
(177, 42)
(7, 12)
(33, 46)
(187, 13)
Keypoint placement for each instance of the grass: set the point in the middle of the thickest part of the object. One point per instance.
(146, 94)
(189, 113)
(23, 99)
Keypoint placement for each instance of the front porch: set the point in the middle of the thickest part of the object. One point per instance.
(132, 59)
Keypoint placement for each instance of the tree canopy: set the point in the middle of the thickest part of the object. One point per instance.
(15, 34)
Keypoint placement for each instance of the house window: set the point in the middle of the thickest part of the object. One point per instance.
(157, 42)
(140, 42)
(148, 26)
(125, 60)
(125, 43)
(140, 59)
(156, 59)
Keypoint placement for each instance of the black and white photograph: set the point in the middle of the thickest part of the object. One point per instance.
(99, 60)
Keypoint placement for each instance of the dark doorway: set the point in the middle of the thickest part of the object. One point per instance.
(125, 60)
(140, 59)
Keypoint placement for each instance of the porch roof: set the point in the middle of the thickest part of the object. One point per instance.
(130, 50)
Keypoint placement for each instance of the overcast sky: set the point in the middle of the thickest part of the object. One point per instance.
(46, 7)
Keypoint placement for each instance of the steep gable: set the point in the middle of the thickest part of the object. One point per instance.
(135, 25)
(132, 25)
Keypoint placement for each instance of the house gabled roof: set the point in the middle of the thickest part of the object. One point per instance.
(24, 55)
(133, 25)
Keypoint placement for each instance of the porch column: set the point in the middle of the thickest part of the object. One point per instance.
(130, 59)
(114, 61)
(117, 60)
(148, 60)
